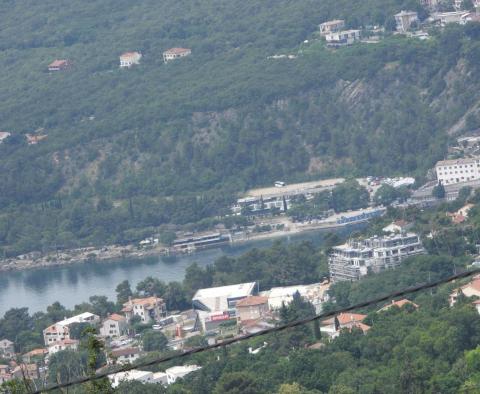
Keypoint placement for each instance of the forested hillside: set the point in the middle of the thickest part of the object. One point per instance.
(122, 143)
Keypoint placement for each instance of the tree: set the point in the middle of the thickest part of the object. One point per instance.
(385, 195)
(349, 195)
(167, 238)
(154, 341)
(438, 191)
(151, 286)
(124, 292)
(238, 383)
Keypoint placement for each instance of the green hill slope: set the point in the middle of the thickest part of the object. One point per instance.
(121, 143)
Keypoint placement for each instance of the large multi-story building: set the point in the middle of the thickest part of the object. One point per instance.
(450, 172)
(129, 59)
(356, 258)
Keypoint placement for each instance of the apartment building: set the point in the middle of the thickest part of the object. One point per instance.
(356, 258)
(150, 309)
(450, 172)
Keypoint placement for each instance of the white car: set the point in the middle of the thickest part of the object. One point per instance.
(156, 327)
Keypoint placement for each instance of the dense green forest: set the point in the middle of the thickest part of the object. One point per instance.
(131, 150)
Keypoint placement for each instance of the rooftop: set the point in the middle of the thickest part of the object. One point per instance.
(232, 291)
(177, 51)
(129, 54)
(252, 301)
(451, 162)
(182, 369)
(58, 63)
(332, 22)
(125, 351)
(81, 318)
(346, 318)
(116, 317)
(399, 303)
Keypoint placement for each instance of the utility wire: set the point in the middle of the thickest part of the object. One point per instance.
(280, 328)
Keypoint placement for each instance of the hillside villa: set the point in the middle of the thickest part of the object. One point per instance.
(175, 53)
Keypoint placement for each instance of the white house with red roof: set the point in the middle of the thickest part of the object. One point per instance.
(251, 309)
(61, 330)
(66, 344)
(59, 65)
(4, 135)
(398, 304)
(333, 326)
(471, 289)
(129, 59)
(114, 326)
(175, 53)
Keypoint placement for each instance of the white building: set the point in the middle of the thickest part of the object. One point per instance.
(175, 53)
(7, 348)
(405, 19)
(61, 330)
(129, 59)
(4, 135)
(445, 18)
(66, 344)
(179, 372)
(149, 309)
(356, 258)
(460, 170)
(128, 376)
(114, 326)
(331, 26)
(342, 38)
(217, 304)
(125, 355)
(315, 293)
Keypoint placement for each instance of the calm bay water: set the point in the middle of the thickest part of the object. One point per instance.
(73, 284)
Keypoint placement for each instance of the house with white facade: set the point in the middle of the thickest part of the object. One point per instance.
(331, 26)
(342, 38)
(356, 258)
(66, 344)
(458, 170)
(61, 330)
(344, 321)
(405, 19)
(114, 326)
(130, 59)
(149, 309)
(175, 53)
(4, 135)
(125, 355)
(471, 289)
(7, 348)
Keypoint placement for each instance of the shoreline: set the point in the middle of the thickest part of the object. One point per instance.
(111, 253)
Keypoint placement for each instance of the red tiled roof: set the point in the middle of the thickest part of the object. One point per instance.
(177, 51)
(116, 317)
(58, 63)
(399, 303)
(125, 351)
(252, 301)
(36, 352)
(475, 284)
(129, 54)
(345, 318)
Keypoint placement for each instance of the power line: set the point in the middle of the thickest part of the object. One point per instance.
(283, 327)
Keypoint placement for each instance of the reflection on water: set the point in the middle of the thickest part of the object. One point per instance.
(71, 285)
